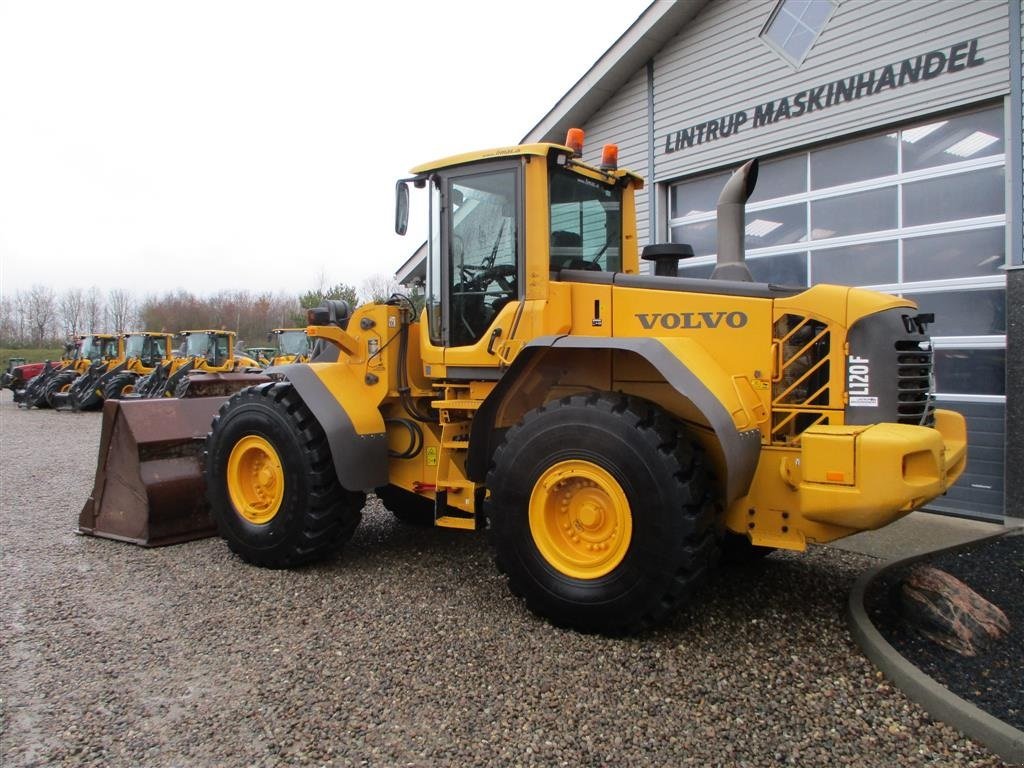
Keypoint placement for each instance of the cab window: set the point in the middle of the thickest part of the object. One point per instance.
(586, 223)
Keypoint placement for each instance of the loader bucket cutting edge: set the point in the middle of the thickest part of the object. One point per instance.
(149, 487)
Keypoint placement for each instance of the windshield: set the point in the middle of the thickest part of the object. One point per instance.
(108, 347)
(146, 348)
(586, 223)
(95, 347)
(89, 348)
(133, 346)
(197, 344)
(292, 343)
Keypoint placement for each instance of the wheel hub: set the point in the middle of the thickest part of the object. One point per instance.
(255, 479)
(580, 519)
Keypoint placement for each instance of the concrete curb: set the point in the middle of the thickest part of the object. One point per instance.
(1002, 738)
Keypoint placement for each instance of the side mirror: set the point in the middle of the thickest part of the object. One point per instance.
(401, 207)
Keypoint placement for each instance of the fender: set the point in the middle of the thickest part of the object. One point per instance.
(360, 454)
(740, 449)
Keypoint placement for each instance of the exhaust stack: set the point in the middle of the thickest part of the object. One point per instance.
(731, 209)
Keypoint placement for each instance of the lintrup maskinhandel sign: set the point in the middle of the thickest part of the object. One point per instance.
(926, 66)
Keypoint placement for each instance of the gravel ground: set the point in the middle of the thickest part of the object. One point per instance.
(407, 650)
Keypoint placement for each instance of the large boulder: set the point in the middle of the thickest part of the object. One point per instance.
(947, 611)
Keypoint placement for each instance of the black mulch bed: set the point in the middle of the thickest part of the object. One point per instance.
(993, 680)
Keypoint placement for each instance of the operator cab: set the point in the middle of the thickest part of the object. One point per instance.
(483, 210)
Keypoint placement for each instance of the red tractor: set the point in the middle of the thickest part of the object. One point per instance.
(18, 373)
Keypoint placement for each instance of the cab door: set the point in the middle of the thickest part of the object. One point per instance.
(475, 275)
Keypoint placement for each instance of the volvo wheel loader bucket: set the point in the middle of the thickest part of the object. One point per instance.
(198, 384)
(149, 487)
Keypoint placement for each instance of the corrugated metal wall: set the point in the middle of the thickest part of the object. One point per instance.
(980, 489)
(623, 120)
(718, 66)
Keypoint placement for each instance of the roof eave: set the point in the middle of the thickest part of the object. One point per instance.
(648, 34)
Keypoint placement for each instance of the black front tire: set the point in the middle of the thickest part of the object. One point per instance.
(83, 396)
(32, 394)
(59, 383)
(119, 385)
(663, 477)
(316, 514)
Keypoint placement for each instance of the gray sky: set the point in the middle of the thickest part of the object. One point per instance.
(255, 145)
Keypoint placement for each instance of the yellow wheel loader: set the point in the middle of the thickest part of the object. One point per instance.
(206, 365)
(144, 351)
(613, 430)
(291, 345)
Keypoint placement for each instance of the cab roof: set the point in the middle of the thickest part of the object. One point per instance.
(540, 149)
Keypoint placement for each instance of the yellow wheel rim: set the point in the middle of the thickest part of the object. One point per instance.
(255, 479)
(65, 388)
(580, 519)
(127, 389)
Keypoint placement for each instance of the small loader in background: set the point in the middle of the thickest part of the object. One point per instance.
(52, 385)
(613, 431)
(291, 345)
(262, 355)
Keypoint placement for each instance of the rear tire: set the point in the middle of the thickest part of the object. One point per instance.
(271, 482)
(601, 513)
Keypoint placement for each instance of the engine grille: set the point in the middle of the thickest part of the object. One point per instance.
(915, 401)
(889, 369)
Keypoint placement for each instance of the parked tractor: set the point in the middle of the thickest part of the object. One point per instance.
(612, 430)
(18, 373)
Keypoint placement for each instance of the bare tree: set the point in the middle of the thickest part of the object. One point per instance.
(8, 322)
(72, 309)
(121, 310)
(42, 310)
(93, 315)
(378, 288)
(21, 315)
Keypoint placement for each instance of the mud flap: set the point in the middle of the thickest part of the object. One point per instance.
(149, 487)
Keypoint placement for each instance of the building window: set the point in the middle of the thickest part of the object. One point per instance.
(918, 211)
(794, 26)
